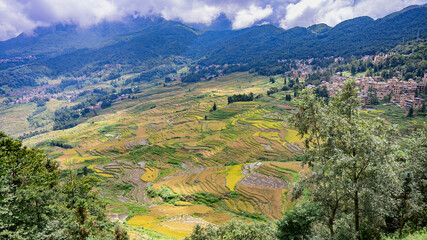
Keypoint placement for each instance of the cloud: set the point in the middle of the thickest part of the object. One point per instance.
(308, 12)
(14, 21)
(19, 16)
(194, 12)
(247, 17)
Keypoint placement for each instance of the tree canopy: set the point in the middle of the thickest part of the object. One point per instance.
(356, 165)
(35, 203)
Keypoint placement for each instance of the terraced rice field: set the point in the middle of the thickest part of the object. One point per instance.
(163, 139)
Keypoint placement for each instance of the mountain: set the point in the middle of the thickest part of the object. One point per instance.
(58, 39)
(221, 23)
(153, 42)
(358, 36)
(319, 28)
(69, 49)
(159, 40)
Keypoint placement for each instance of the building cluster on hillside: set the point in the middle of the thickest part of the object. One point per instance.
(376, 58)
(17, 59)
(22, 96)
(303, 68)
(403, 93)
(108, 68)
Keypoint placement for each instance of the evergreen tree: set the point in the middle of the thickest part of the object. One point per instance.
(410, 112)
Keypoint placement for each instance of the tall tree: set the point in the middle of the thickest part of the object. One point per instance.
(353, 160)
(411, 200)
(27, 181)
(35, 203)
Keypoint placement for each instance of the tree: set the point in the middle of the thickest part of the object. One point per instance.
(353, 69)
(234, 230)
(354, 171)
(36, 204)
(272, 80)
(272, 90)
(297, 223)
(374, 99)
(411, 200)
(214, 107)
(120, 233)
(27, 181)
(83, 211)
(410, 112)
(296, 90)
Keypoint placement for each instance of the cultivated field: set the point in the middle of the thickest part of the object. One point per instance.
(166, 162)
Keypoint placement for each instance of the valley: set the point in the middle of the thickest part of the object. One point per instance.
(151, 129)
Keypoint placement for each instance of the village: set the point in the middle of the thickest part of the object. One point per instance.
(23, 96)
(47, 91)
(403, 93)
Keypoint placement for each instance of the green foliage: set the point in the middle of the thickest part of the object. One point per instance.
(240, 98)
(120, 233)
(213, 109)
(374, 99)
(27, 181)
(297, 223)
(68, 117)
(411, 200)
(353, 160)
(205, 198)
(165, 193)
(54, 143)
(272, 90)
(34, 204)
(234, 230)
(410, 112)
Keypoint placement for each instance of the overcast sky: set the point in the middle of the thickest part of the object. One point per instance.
(17, 16)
